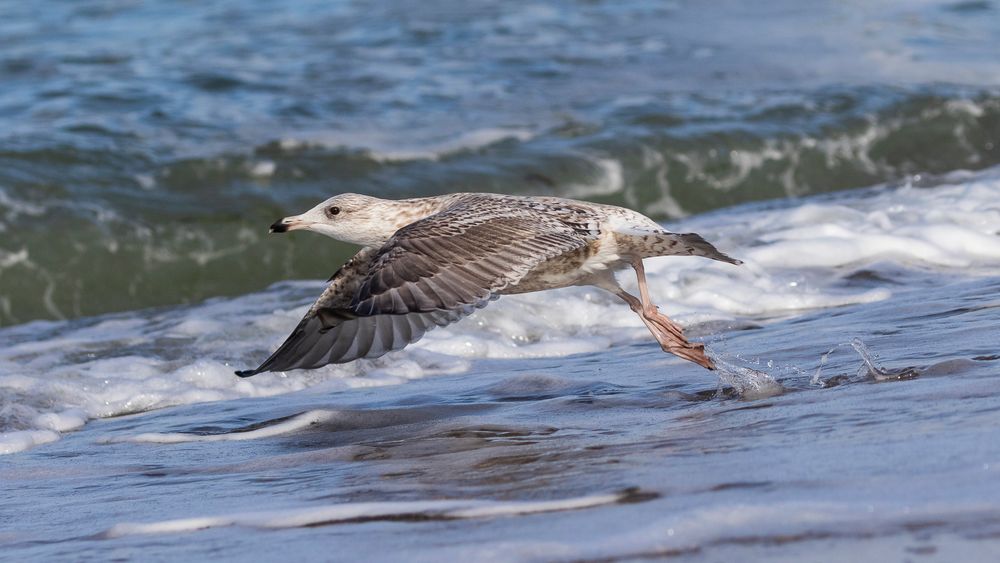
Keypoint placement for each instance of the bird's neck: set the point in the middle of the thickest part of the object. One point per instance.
(386, 216)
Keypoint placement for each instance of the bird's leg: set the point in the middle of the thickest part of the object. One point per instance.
(668, 333)
(654, 328)
(649, 310)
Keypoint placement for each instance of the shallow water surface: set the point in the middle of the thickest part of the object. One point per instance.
(854, 413)
(846, 151)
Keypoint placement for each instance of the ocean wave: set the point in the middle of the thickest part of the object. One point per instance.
(798, 257)
(385, 148)
(178, 230)
(366, 512)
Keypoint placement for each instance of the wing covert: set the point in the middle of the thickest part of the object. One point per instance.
(461, 257)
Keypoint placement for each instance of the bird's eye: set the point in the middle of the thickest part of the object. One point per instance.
(333, 210)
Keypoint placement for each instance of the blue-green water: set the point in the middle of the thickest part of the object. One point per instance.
(848, 152)
(146, 146)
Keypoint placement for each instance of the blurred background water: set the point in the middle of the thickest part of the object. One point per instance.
(847, 151)
(146, 146)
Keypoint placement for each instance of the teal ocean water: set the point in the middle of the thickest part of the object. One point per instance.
(146, 147)
(848, 152)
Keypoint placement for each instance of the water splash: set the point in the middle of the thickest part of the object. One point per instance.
(869, 367)
(749, 383)
(816, 378)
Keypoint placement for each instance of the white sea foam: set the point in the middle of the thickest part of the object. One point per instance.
(294, 423)
(20, 440)
(388, 149)
(609, 179)
(56, 375)
(263, 168)
(698, 529)
(363, 511)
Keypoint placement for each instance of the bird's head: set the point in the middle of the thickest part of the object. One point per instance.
(353, 218)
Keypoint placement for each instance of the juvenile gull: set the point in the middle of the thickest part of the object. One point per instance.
(430, 261)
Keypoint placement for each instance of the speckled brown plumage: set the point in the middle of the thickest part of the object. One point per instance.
(448, 255)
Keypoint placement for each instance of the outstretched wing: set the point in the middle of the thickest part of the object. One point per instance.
(331, 333)
(464, 255)
(430, 273)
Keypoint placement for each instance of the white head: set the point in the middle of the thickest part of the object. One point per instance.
(353, 218)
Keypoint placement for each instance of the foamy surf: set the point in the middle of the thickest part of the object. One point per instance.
(367, 512)
(796, 524)
(386, 148)
(287, 426)
(146, 148)
(56, 375)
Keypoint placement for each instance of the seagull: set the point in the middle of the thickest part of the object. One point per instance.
(430, 261)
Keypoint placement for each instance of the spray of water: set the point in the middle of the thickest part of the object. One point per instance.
(749, 383)
(869, 368)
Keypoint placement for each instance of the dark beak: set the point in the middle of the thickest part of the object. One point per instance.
(292, 223)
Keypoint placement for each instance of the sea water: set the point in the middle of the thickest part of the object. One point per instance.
(846, 152)
(853, 409)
